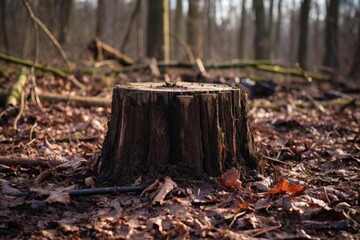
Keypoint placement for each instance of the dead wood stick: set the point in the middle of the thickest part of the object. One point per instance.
(105, 190)
(89, 191)
(72, 100)
(30, 161)
(30, 63)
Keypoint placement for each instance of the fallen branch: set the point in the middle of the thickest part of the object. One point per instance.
(29, 63)
(76, 100)
(72, 100)
(88, 192)
(97, 47)
(30, 162)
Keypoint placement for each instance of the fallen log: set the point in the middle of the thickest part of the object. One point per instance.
(29, 63)
(15, 92)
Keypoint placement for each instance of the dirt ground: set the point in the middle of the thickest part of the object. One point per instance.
(309, 188)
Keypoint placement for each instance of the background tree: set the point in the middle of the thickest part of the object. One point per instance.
(158, 41)
(303, 35)
(134, 14)
(241, 36)
(3, 36)
(277, 38)
(178, 26)
(66, 7)
(261, 41)
(193, 30)
(355, 69)
(100, 19)
(270, 29)
(331, 34)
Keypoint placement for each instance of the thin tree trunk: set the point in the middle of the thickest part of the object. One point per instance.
(355, 69)
(193, 28)
(66, 7)
(261, 41)
(129, 27)
(178, 27)
(317, 51)
(158, 41)
(140, 34)
(270, 29)
(241, 41)
(210, 29)
(292, 33)
(303, 35)
(277, 38)
(331, 35)
(4, 36)
(100, 19)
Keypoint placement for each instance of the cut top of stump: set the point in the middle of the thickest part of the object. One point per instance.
(179, 87)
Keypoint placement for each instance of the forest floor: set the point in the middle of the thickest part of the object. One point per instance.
(309, 188)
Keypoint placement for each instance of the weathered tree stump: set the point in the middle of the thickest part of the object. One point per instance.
(196, 127)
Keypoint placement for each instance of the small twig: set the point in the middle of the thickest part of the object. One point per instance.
(185, 46)
(276, 160)
(48, 33)
(316, 103)
(21, 110)
(34, 89)
(32, 130)
(326, 195)
(9, 109)
(236, 217)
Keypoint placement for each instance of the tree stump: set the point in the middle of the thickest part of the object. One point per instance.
(191, 127)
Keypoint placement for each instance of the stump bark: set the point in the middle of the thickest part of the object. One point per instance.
(191, 127)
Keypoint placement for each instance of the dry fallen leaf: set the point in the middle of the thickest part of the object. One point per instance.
(230, 179)
(90, 181)
(285, 187)
(168, 185)
(58, 196)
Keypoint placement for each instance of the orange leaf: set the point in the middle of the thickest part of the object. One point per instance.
(230, 179)
(285, 187)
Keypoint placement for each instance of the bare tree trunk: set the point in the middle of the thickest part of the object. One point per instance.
(129, 27)
(355, 69)
(158, 41)
(292, 33)
(261, 41)
(270, 29)
(4, 36)
(241, 36)
(277, 37)
(317, 51)
(66, 7)
(331, 35)
(100, 19)
(140, 33)
(193, 28)
(115, 24)
(303, 35)
(178, 27)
